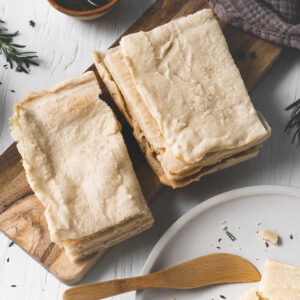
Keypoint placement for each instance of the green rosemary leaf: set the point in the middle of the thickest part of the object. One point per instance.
(34, 63)
(11, 51)
(27, 54)
(9, 35)
(10, 62)
(294, 136)
(21, 69)
(297, 102)
(294, 122)
(18, 46)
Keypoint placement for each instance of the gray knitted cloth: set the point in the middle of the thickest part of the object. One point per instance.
(277, 21)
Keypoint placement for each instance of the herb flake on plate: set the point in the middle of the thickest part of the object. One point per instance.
(230, 235)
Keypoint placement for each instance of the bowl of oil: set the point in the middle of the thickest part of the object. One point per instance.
(83, 9)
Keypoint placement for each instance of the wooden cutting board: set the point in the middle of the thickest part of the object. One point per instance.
(21, 214)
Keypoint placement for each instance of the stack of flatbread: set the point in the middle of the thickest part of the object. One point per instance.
(181, 91)
(77, 164)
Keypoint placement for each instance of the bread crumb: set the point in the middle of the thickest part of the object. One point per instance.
(268, 236)
(250, 295)
(224, 227)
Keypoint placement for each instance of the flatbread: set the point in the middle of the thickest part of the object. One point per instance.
(146, 147)
(77, 164)
(156, 86)
(141, 117)
(188, 81)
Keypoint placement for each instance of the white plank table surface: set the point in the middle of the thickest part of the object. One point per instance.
(63, 46)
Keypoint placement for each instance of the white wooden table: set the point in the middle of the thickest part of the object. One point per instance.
(63, 46)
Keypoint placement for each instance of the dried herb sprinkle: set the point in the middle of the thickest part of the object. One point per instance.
(231, 236)
(11, 244)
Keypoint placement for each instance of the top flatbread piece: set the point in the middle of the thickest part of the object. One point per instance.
(188, 80)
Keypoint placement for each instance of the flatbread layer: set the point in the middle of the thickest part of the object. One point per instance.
(184, 97)
(191, 172)
(77, 164)
(139, 114)
(80, 248)
(189, 83)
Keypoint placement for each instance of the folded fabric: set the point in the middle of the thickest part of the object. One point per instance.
(276, 21)
(180, 90)
(77, 164)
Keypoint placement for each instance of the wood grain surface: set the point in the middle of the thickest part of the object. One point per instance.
(21, 214)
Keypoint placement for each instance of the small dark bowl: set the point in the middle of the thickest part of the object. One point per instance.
(89, 14)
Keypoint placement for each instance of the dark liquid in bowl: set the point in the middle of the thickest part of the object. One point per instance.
(81, 5)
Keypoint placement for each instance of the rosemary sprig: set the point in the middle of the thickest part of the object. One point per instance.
(23, 59)
(294, 122)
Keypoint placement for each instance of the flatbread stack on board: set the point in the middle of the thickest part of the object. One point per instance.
(182, 93)
(180, 90)
(77, 164)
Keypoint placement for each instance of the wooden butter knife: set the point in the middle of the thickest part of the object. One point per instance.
(201, 271)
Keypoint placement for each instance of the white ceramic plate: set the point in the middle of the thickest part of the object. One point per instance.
(198, 232)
